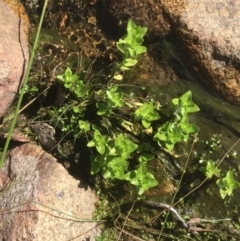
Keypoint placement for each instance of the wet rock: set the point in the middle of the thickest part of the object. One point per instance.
(14, 51)
(207, 34)
(45, 135)
(41, 201)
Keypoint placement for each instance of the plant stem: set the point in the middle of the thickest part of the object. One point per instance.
(180, 181)
(23, 87)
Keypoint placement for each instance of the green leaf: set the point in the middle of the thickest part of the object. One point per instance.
(124, 68)
(188, 128)
(210, 170)
(100, 147)
(146, 124)
(104, 108)
(140, 50)
(99, 142)
(68, 72)
(84, 125)
(91, 143)
(79, 89)
(118, 77)
(68, 77)
(140, 32)
(147, 113)
(130, 45)
(142, 179)
(98, 162)
(116, 168)
(113, 88)
(131, 25)
(122, 45)
(185, 103)
(115, 97)
(146, 146)
(135, 32)
(227, 184)
(124, 146)
(170, 146)
(130, 62)
(77, 109)
(145, 157)
(168, 135)
(102, 237)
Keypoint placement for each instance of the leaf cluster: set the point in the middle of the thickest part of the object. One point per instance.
(121, 149)
(130, 46)
(226, 184)
(178, 129)
(123, 131)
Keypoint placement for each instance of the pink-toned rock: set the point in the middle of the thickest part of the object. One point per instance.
(207, 34)
(14, 52)
(41, 201)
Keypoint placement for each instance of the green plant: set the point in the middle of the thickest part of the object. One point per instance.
(146, 114)
(210, 169)
(109, 99)
(141, 178)
(214, 143)
(130, 45)
(73, 83)
(122, 128)
(227, 184)
(113, 161)
(179, 128)
(116, 150)
(103, 237)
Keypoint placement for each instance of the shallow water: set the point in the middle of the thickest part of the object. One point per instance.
(216, 117)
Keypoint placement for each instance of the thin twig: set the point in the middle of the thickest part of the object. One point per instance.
(125, 221)
(147, 230)
(169, 207)
(180, 181)
(129, 234)
(197, 187)
(24, 107)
